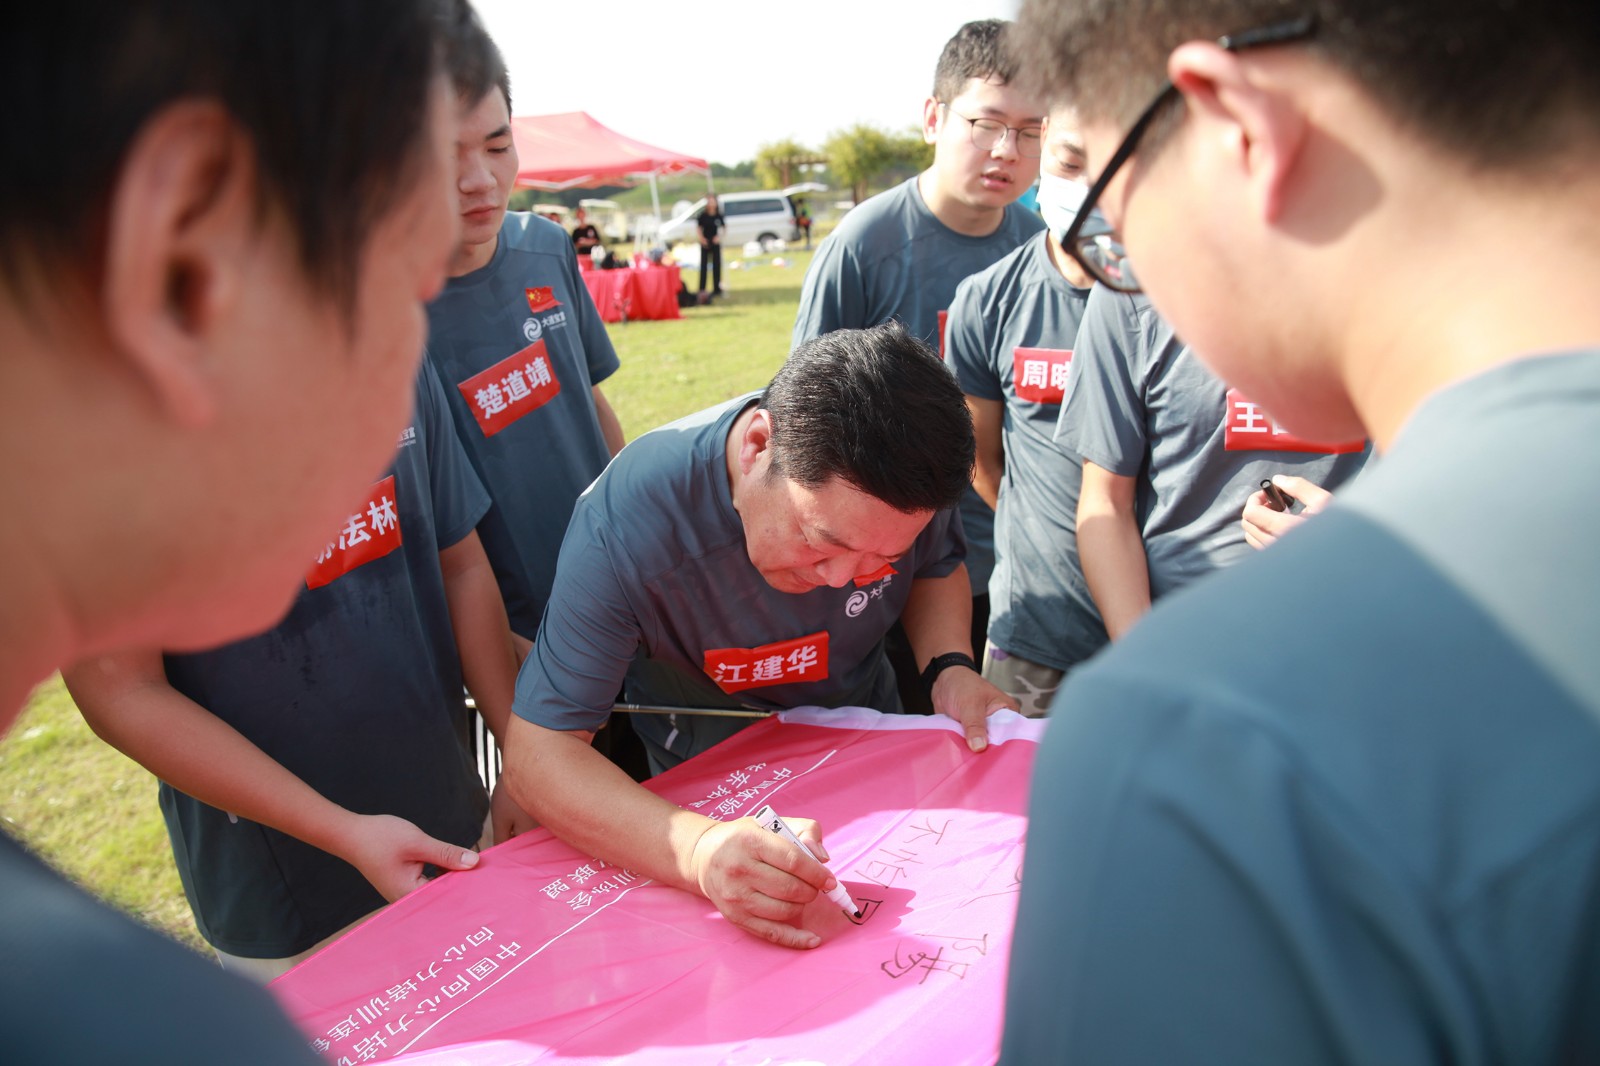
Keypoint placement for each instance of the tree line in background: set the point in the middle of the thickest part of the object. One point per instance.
(852, 157)
(855, 158)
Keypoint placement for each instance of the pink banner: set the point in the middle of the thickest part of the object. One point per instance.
(545, 955)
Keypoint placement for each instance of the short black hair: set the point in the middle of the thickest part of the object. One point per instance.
(333, 95)
(876, 409)
(471, 57)
(1502, 86)
(979, 50)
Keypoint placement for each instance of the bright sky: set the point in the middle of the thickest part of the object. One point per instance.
(725, 76)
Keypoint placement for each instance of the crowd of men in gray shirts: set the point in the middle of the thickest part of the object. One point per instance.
(1329, 802)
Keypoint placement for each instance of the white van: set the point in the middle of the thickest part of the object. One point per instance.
(751, 216)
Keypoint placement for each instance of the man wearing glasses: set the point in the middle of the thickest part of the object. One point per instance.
(1338, 803)
(901, 254)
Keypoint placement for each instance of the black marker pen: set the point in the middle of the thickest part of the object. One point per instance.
(1277, 499)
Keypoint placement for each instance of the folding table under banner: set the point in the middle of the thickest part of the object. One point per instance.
(542, 954)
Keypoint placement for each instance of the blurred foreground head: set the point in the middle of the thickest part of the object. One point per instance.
(1319, 180)
(218, 225)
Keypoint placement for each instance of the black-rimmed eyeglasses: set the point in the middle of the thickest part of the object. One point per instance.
(1091, 240)
(988, 133)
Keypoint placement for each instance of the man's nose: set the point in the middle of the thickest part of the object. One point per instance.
(1008, 146)
(838, 571)
(473, 176)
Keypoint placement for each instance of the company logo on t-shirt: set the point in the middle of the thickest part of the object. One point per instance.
(1248, 428)
(511, 388)
(863, 596)
(532, 330)
(372, 532)
(408, 437)
(1039, 375)
(786, 662)
(542, 298)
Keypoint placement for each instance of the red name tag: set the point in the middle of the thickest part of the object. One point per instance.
(1248, 428)
(1039, 375)
(944, 320)
(372, 532)
(542, 299)
(886, 570)
(787, 662)
(511, 388)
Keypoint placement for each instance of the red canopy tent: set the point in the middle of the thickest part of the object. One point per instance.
(571, 149)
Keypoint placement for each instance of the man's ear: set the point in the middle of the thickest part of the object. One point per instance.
(182, 218)
(1259, 127)
(930, 120)
(757, 440)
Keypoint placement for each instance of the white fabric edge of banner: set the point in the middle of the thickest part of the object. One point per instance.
(1004, 725)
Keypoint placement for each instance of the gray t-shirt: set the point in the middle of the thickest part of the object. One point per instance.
(357, 692)
(655, 564)
(1140, 404)
(1341, 804)
(1010, 339)
(518, 347)
(891, 258)
(85, 983)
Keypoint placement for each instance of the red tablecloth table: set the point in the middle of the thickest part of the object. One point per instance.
(634, 292)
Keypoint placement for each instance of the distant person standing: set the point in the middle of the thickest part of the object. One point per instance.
(584, 235)
(802, 219)
(711, 226)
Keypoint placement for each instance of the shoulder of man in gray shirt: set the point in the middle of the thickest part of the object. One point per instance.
(891, 258)
(1370, 753)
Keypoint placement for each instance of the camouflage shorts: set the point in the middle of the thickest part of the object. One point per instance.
(1033, 686)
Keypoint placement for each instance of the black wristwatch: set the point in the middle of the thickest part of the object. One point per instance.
(941, 662)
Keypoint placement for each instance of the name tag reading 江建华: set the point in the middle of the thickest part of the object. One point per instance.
(786, 662)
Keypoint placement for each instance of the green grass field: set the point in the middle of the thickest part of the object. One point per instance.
(92, 813)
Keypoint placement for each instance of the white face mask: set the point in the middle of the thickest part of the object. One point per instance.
(1059, 200)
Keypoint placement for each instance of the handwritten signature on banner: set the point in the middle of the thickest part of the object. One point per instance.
(903, 860)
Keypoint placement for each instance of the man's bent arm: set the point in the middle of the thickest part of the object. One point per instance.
(988, 418)
(483, 635)
(756, 879)
(489, 657)
(1111, 549)
(610, 425)
(128, 702)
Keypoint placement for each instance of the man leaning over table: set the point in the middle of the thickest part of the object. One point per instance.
(754, 554)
